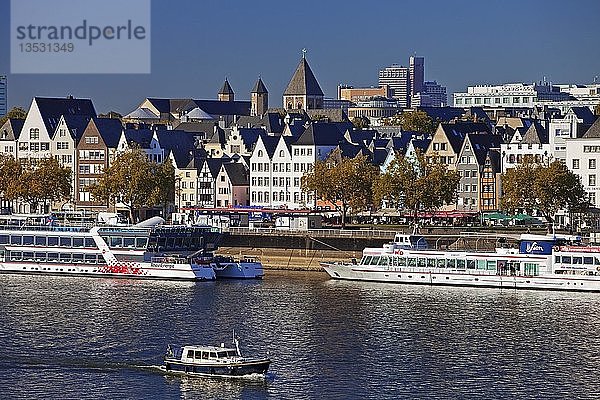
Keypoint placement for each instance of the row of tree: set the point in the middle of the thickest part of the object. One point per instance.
(418, 184)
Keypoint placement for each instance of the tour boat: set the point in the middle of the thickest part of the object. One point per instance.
(226, 362)
(157, 252)
(547, 262)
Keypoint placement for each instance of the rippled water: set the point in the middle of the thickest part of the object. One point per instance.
(96, 339)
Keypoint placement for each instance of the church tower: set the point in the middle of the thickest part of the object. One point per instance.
(303, 92)
(226, 92)
(259, 99)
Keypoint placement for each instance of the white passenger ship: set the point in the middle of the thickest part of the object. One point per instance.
(547, 262)
(161, 252)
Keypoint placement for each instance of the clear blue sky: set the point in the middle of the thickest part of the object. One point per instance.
(196, 44)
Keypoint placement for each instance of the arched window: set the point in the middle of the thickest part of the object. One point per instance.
(511, 158)
(289, 106)
(299, 106)
(281, 153)
(260, 153)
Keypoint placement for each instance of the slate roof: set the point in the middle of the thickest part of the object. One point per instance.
(443, 114)
(303, 82)
(332, 114)
(238, 174)
(456, 132)
(215, 164)
(359, 136)
(481, 143)
(110, 130)
(421, 144)
(535, 134)
(197, 113)
(250, 136)
(379, 156)
(270, 143)
(11, 130)
(494, 156)
(52, 108)
(141, 137)
(180, 143)
(206, 127)
(259, 87)
(584, 113)
(594, 131)
(76, 125)
(226, 88)
(141, 113)
(216, 107)
(321, 134)
(271, 121)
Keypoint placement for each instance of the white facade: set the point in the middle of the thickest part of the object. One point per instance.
(508, 95)
(34, 141)
(583, 159)
(260, 175)
(561, 129)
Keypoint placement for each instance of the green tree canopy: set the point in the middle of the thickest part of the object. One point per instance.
(345, 184)
(545, 188)
(131, 180)
(414, 184)
(414, 121)
(15, 112)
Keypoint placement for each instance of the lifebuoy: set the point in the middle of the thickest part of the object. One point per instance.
(555, 248)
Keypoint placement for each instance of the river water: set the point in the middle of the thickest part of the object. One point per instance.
(73, 338)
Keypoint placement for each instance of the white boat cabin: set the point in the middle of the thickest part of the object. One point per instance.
(197, 354)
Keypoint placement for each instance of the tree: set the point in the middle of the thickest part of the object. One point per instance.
(345, 184)
(16, 113)
(361, 122)
(10, 173)
(414, 121)
(111, 114)
(129, 180)
(164, 189)
(45, 183)
(597, 110)
(545, 188)
(417, 185)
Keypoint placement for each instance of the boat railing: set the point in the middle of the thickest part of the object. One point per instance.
(169, 260)
(44, 228)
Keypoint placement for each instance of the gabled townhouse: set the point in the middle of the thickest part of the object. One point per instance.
(491, 183)
(42, 121)
(241, 140)
(9, 135)
(208, 169)
(95, 151)
(232, 185)
(470, 167)
(531, 142)
(186, 177)
(583, 159)
(448, 138)
(260, 170)
(574, 124)
(145, 139)
(282, 185)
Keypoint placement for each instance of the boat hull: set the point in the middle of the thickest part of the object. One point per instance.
(229, 370)
(461, 278)
(123, 271)
(238, 270)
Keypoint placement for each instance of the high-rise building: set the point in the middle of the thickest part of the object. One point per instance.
(3, 96)
(397, 78)
(436, 92)
(416, 68)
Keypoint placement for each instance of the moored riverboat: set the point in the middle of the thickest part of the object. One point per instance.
(546, 262)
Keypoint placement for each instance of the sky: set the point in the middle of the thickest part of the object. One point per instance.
(196, 44)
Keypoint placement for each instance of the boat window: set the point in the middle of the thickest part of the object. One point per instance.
(16, 255)
(556, 259)
(374, 260)
(27, 240)
(222, 354)
(213, 354)
(588, 260)
(52, 241)
(451, 263)
(77, 242)
(28, 255)
(190, 354)
(90, 258)
(40, 257)
(471, 264)
(205, 355)
(116, 241)
(231, 353)
(128, 242)
(460, 264)
(65, 241)
(198, 354)
(421, 262)
(383, 260)
(366, 260)
(481, 264)
(141, 243)
(412, 262)
(441, 263)
(40, 240)
(401, 262)
(431, 262)
(3, 239)
(577, 260)
(77, 258)
(89, 242)
(566, 259)
(597, 261)
(65, 257)
(15, 239)
(491, 264)
(52, 257)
